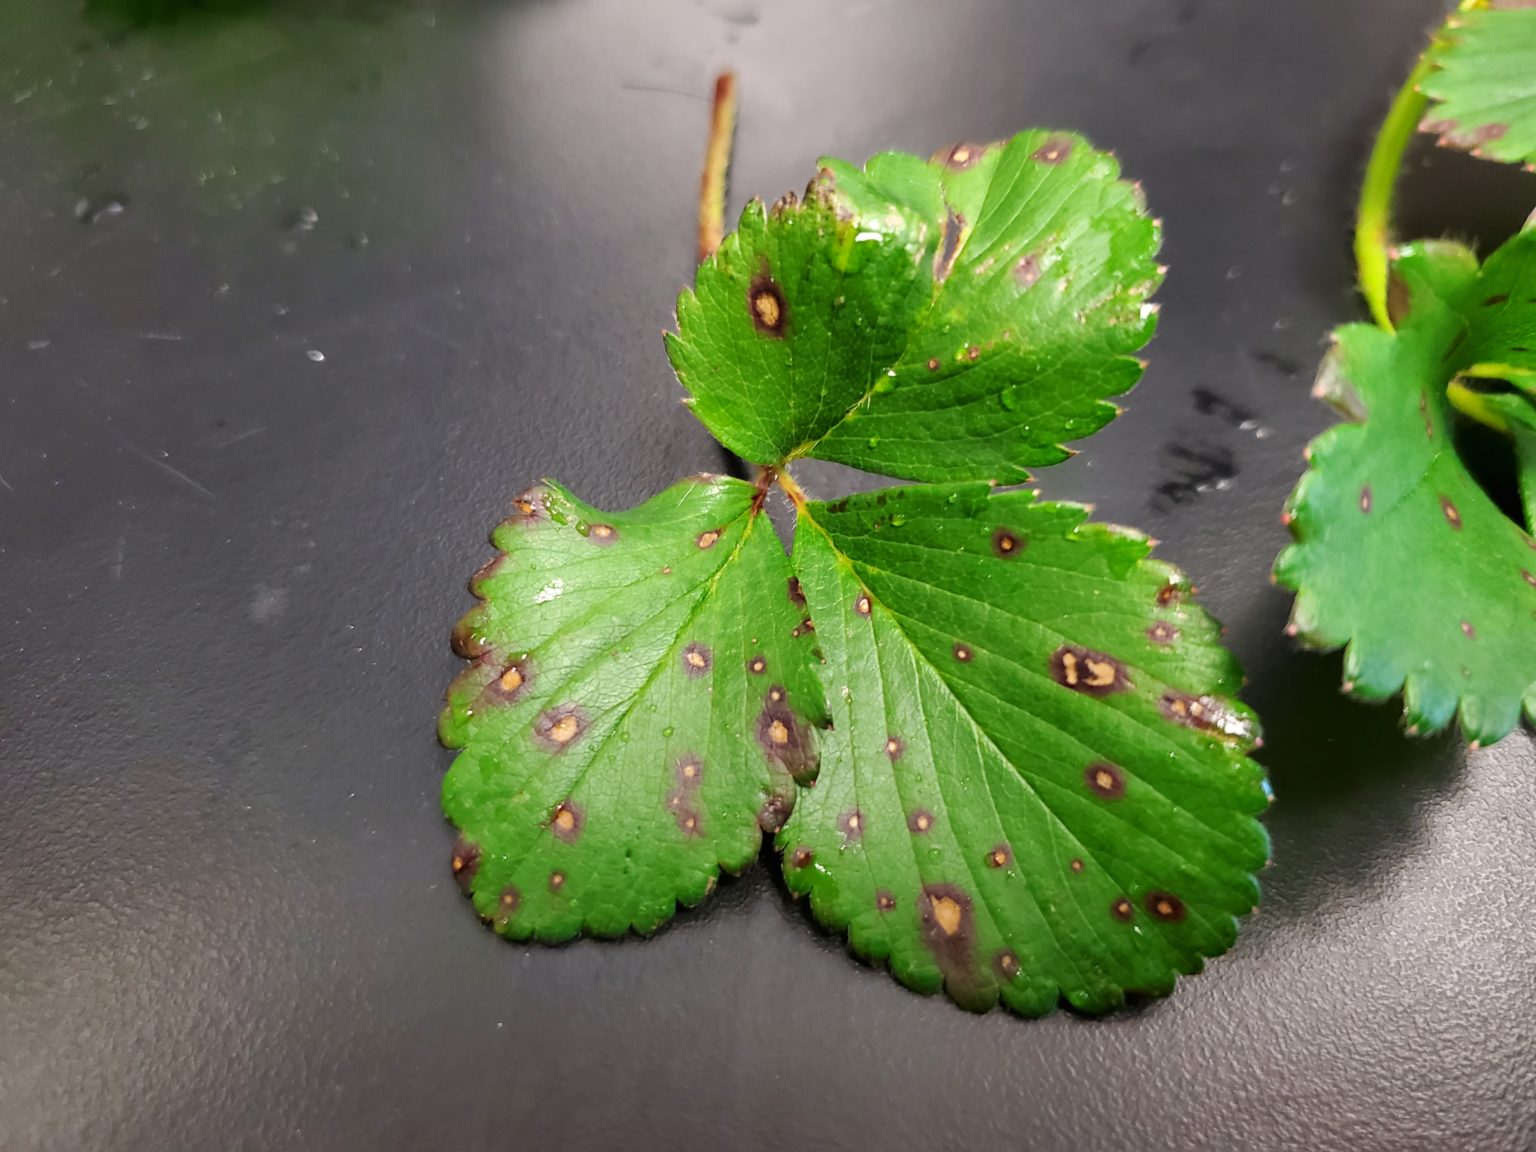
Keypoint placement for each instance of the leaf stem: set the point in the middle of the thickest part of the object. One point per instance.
(1373, 218)
(717, 162)
(791, 489)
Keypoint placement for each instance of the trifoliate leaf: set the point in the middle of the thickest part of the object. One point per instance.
(640, 697)
(1399, 554)
(1485, 82)
(1035, 784)
(953, 319)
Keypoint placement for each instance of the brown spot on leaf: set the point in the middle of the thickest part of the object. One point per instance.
(1105, 780)
(784, 739)
(602, 534)
(468, 641)
(1165, 906)
(1452, 516)
(688, 822)
(920, 821)
(1121, 909)
(1026, 273)
(963, 654)
(949, 931)
(769, 309)
(528, 505)
(1162, 632)
(861, 605)
(1207, 713)
(757, 665)
(556, 881)
(972, 352)
(1084, 670)
(466, 860)
(1169, 593)
(707, 539)
(796, 594)
(1365, 499)
(1399, 297)
(894, 746)
(566, 821)
(1530, 578)
(507, 905)
(1076, 865)
(558, 728)
(884, 900)
(801, 857)
(1467, 630)
(1054, 150)
(1007, 543)
(851, 825)
(690, 770)
(933, 363)
(697, 660)
(961, 156)
(774, 814)
(1005, 963)
(1000, 856)
(513, 681)
(1495, 301)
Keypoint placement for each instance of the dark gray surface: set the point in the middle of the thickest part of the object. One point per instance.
(228, 572)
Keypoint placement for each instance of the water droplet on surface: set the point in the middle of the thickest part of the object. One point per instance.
(315, 354)
(304, 220)
(96, 211)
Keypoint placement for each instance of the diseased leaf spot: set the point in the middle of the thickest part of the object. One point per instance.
(1005, 963)
(1495, 301)
(894, 746)
(1122, 910)
(1076, 865)
(697, 660)
(1006, 543)
(770, 311)
(690, 769)
(507, 905)
(784, 739)
(1000, 857)
(1530, 578)
(963, 654)
(556, 881)
(1467, 630)
(1105, 780)
(801, 857)
(796, 594)
(972, 352)
(851, 825)
(1206, 713)
(1026, 273)
(469, 643)
(861, 605)
(920, 821)
(528, 505)
(1365, 499)
(707, 539)
(757, 665)
(804, 628)
(688, 822)
(602, 534)
(1165, 906)
(773, 815)
(558, 728)
(513, 681)
(884, 901)
(1162, 633)
(466, 861)
(566, 822)
(1054, 150)
(933, 364)
(1452, 516)
(1084, 670)
(962, 156)
(1169, 593)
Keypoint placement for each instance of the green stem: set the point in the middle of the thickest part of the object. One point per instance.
(1373, 221)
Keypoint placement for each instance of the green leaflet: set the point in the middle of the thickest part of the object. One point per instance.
(1034, 786)
(944, 320)
(1033, 783)
(1485, 82)
(1399, 554)
(641, 694)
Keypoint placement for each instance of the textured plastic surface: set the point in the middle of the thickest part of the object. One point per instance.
(228, 571)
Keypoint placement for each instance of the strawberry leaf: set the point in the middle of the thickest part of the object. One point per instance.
(1399, 553)
(640, 697)
(953, 319)
(1485, 82)
(1035, 785)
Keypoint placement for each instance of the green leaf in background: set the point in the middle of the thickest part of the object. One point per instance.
(640, 698)
(1035, 785)
(1399, 553)
(951, 319)
(1484, 82)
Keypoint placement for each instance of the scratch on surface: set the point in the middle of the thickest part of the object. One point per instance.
(7, 484)
(239, 436)
(457, 346)
(117, 561)
(176, 336)
(632, 86)
(164, 467)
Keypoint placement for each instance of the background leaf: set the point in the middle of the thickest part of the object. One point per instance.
(1034, 786)
(1399, 553)
(640, 695)
(944, 320)
(1485, 82)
